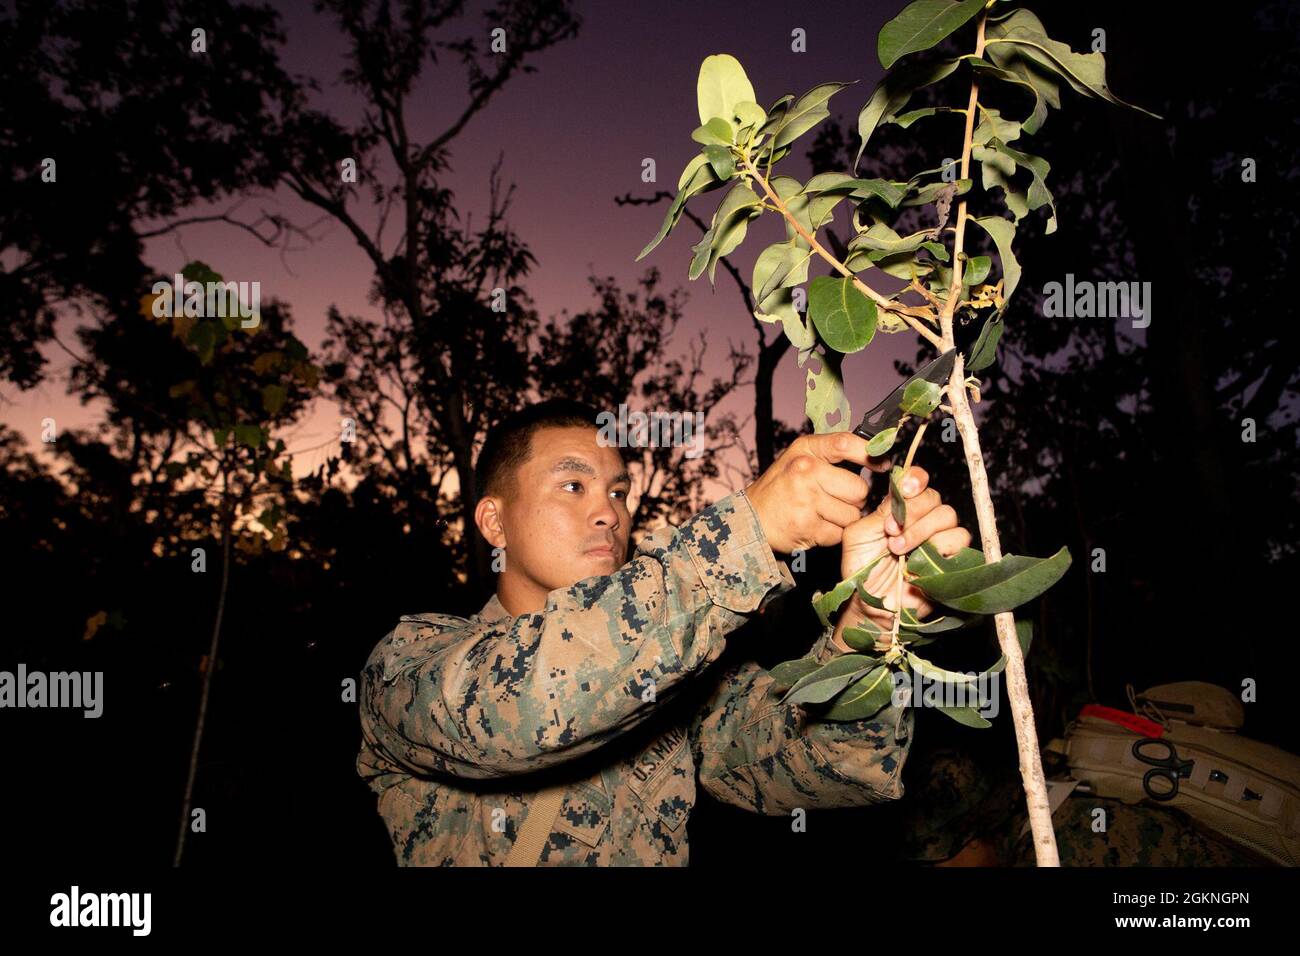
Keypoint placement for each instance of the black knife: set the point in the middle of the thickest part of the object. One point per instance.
(885, 413)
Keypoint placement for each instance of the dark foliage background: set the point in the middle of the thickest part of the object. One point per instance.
(1097, 438)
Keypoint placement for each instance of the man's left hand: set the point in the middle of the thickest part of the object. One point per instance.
(876, 534)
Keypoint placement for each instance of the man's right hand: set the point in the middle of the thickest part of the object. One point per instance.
(804, 500)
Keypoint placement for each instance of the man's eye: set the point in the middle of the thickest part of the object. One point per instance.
(622, 494)
(567, 483)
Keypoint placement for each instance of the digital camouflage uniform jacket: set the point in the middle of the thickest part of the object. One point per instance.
(609, 691)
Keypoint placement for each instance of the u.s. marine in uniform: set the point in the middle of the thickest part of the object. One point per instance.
(592, 676)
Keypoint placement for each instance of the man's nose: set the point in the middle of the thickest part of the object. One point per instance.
(606, 514)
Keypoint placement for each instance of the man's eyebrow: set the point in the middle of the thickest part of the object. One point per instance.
(578, 465)
(573, 464)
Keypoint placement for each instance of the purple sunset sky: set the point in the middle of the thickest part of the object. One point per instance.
(573, 134)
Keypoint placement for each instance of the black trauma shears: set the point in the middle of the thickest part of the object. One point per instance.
(885, 414)
(1167, 767)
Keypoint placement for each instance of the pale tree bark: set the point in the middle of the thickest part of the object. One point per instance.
(1022, 710)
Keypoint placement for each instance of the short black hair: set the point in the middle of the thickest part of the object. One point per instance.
(509, 442)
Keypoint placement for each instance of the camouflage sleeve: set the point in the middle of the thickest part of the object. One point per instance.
(494, 698)
(760, 755)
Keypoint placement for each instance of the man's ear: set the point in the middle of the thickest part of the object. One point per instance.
(487, 515)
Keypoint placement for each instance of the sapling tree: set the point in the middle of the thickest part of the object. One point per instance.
(235, 383)
(1012, 56)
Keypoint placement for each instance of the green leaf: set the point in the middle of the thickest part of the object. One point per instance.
(828, 182)
(740, 199)
(692, 171)
(901, 266)
(807, 111)
(779, 265)
(908, 119)
(775, 114)
(800, 335)
(861, 638)
(791, 192)
(908, 621)
(825, 403)
(716, 132)
(827, 604)
(997, 169)
(993, 126)
(893, 93)
(273, 397)
(811, 210)
(920, 398)
(200, 272)
(723, 163)
(1000, 586)
(249, 435)
(927, 559)
(936, 249)
(721, 85)
(833, 183)
(1085, 72)
(965, 715)
(882, 441)
(976, 270)
(1002, 232)
(942, 280)
(203, 336)
(881, 239)
(843, 316)
(868, 598)
(749, 115)
(787, 673)
(863, 698)
(730, 222)
(1043, 90)
(985, 349)
(897, 504)
(1038, 167)
(829, 679)
(696, 178)
(934, 672)
(779, 306)
(921, 25)
(729, 240)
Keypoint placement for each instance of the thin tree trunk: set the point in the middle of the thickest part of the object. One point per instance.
(209, 670)
(1022, 708)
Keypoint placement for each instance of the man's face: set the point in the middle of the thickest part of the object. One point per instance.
(566, 518)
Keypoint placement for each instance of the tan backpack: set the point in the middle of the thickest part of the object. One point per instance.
(1246, 790)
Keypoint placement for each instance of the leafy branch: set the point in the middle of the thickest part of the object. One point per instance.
(741, 144)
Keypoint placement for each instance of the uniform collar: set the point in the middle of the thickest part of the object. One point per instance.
(493, 610)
